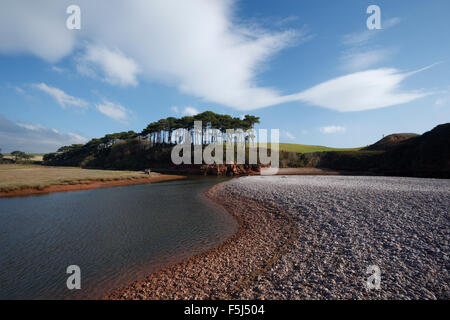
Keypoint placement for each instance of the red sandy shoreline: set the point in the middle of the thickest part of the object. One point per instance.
(92, 184)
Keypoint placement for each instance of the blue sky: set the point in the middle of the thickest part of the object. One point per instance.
(309, 68)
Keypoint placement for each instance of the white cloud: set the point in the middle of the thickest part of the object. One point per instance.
(288, 135)
(113, 110)
(360, 91)
(286, 20)
(35, 27)
(361, 60)
(358, 38)
(198, 46)
(62, 98)
(33, 138)
(30, 126)
(77, 138)
(332, 129)
(363, 37)
(58, 69)
(187, 111)
(391, 22)
(362, 53)
(115, 67)
(442, 101)
(19, 90)
(190, 111)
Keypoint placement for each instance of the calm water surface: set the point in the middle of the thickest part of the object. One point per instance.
(115, 235)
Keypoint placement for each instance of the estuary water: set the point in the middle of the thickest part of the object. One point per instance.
(115, 235)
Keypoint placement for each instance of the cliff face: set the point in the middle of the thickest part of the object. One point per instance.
(233, 169)
(214, 169)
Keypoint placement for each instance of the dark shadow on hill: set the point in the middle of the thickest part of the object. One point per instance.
(426, 155)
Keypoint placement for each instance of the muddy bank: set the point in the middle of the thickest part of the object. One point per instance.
(265, 233)
(90, 184)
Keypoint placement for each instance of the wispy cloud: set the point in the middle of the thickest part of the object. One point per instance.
(190, 111)
(439, 102)
(187, 111)
(19, 90)
(62, 98)
(332, 129)
(31, 127)
(371, 89)
(361, 60)
(114, 111)
(361, 52)
(359, 91)
(442, 101)
(363, 37)
(58, 69)
(33, 138)
(288, 135)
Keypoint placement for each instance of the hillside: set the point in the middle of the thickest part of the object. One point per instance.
(426, 155)
(390, 141)
(304, 148)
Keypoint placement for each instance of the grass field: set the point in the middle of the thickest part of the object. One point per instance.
(303, 148)
(17, 177)
(35, 157)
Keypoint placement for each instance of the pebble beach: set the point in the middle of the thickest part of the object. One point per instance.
(313, 237)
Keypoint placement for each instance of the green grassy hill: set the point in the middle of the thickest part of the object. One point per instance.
(304, 148)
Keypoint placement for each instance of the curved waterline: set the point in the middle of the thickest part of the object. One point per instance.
(116, 235)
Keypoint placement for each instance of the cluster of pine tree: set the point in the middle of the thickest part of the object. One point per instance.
(131, 150)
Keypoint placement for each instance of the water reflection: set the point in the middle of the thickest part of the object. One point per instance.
(116, 235)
